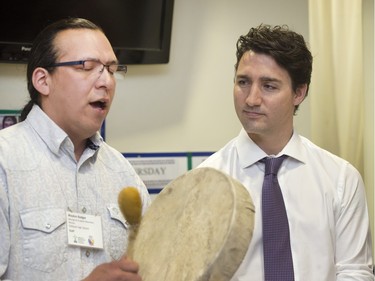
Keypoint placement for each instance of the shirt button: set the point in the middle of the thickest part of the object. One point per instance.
(88, 253)
(84, 210)
(48, 226)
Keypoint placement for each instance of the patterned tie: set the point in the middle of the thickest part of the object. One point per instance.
(278, 263)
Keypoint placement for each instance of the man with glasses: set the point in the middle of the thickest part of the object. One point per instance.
(59, 181)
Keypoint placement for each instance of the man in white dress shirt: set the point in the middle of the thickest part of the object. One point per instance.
(324, 195)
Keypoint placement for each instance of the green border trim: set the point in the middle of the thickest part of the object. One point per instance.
(10, 112)
(189, 160)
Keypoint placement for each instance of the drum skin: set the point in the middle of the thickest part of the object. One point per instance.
(198, 228)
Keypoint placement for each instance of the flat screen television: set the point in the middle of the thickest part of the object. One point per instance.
(139, 30)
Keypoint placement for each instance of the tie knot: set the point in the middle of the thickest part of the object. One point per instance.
(273, 164)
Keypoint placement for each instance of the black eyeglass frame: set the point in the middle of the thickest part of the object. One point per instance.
(120, 67)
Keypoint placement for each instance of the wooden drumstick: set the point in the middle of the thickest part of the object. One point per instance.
(130, 204)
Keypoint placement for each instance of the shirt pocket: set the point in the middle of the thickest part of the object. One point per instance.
(44, 240)
(118, 232)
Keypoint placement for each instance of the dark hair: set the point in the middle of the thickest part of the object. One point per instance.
(44, 53)
(286, 47)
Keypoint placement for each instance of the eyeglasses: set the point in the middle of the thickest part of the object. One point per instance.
(90, 65)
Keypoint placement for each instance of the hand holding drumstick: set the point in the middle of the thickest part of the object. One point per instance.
(124, 269)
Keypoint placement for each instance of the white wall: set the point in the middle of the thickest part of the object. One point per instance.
(185, 105)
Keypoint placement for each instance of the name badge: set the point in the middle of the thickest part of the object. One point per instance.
(84, 230)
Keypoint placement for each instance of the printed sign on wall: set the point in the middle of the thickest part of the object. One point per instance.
(158, 169)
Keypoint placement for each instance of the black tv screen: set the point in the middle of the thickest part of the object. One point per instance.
(139, 30)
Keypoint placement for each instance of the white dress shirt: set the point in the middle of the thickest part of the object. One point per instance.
(326, 206)
(39, 181)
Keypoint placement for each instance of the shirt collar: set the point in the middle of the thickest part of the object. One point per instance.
(295, 149)
(249, 153)
(52, 135)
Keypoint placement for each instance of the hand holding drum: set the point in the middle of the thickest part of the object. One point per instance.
(197, 229)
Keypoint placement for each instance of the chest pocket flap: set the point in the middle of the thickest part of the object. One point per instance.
(44, 219)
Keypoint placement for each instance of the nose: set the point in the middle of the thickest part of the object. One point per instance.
(254, 97)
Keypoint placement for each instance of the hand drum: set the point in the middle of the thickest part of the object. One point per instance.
(197, 229)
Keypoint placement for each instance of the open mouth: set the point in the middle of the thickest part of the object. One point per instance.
(99, 104)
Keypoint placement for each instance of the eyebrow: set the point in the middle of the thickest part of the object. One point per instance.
(241, 76)
(107, 62)
(270, 79)
(263, 78)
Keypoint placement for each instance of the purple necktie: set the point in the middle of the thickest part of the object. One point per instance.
(278, 263)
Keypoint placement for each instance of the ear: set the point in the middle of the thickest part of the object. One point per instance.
(40, 80)
(300, 94)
